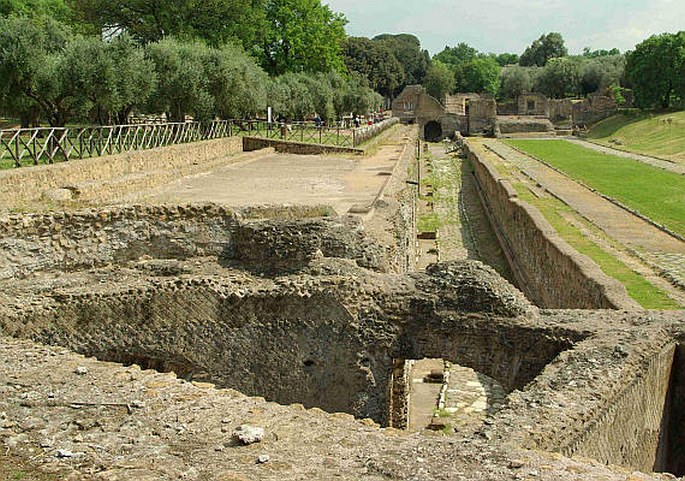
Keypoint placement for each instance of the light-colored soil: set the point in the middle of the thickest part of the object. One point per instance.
(343, 182)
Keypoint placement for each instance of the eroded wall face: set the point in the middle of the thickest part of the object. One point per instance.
(629, 431)
(288, 348)
(673, 436)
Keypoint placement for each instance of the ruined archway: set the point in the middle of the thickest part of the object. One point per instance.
(432, 132)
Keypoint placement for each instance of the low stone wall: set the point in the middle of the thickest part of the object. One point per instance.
(629, 432)
(516, 125)
(300, 148)
(108, 177)
(368, 132)
(91, 238)
(550, 272)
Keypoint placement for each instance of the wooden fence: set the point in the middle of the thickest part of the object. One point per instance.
(20, 147)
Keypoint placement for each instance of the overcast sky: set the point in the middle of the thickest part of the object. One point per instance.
(511, 25)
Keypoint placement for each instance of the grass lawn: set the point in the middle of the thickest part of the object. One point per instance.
(644, 133)
(645, 293)
(655, 193)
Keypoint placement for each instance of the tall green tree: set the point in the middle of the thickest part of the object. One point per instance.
(478, 75)
(561, 77)
(600, 72)
(515, 81)
(302, 36)
(407, 50)
(183, 87)
(55, 9)
(458, 55)
(214, 21)
(656, 71)
(505, 59)
(439, 80)
(30, 67)
(547, 47)
(375, 61)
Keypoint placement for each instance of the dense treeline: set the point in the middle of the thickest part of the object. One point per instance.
(654, 71)
(388, 62)
(55, 69)
(544, 67)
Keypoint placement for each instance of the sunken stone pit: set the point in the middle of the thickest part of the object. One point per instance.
(306, 312)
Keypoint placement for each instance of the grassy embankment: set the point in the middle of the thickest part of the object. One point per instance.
(658, 135)
(556, 212)
(655, 193)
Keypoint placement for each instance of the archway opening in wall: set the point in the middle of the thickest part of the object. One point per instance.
(432, 132)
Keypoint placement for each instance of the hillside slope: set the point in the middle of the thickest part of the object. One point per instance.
(660, 135)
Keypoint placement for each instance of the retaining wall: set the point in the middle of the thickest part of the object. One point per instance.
(549, 271)
(107, 177)
(629, 432)
(300, 148)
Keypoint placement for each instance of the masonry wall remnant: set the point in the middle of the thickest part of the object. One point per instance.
(531, 246)
(481, 114)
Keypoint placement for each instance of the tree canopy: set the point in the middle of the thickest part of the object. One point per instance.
(439, 80)
(214, 21)
(375, 61)
(407, 50)
(302, 36)
(543, 49)
(656, 71)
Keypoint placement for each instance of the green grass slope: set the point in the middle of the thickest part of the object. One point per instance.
(655, 193)
(644, 133)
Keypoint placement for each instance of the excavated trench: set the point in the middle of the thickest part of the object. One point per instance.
(286, 347)
(671, 453)
(196, 291)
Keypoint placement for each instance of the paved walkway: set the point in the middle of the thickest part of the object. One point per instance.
(655, 245)
(469, 398)
(424, 396)
(342, 182)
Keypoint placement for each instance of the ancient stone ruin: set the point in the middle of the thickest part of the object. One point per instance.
(474, 114)
(317, 318)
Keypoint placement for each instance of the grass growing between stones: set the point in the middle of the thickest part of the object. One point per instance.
(645, 133)
(444, 182)
(641, 290)
(655, 193)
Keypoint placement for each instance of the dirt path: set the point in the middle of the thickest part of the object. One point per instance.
(343, 182)
(640, 236)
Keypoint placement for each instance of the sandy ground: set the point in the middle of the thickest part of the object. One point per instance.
(339, 181)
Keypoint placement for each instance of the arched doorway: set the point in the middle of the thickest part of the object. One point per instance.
(432, 132)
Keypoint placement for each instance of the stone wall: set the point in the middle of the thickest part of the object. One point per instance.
(108, 177)
(672, 455)
(300, 148)
(517, 125)
(533, 104)
(629, 431)
(482, 116)
(593, 109)
(547, 269)
(91, 238)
